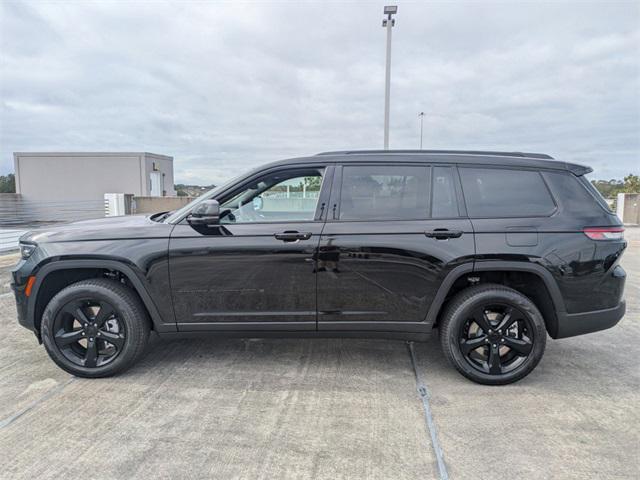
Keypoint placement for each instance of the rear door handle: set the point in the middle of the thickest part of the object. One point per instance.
(292, 236)
(443, 233)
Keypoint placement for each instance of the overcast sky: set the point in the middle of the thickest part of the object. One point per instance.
(226, 86)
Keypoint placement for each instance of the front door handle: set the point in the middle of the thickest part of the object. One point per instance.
(443, 233)
(291, 236)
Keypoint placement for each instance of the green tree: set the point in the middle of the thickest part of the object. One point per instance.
(631, 183)
(313, 183)
(608, 188)
(8, 183)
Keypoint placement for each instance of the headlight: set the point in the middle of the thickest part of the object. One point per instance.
(27, 249)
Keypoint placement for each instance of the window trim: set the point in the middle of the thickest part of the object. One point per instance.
(516, 169)
(336, 195)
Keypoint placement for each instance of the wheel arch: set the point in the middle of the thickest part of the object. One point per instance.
(532, 280)
(54, 276)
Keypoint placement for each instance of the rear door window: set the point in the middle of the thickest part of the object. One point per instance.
(384, 192)
(444, 203)
(496, 192)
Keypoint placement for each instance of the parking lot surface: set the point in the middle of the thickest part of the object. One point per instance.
(323, 408)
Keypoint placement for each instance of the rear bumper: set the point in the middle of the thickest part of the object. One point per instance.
(573, 324)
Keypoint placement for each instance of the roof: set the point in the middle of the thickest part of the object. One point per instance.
(458, 157)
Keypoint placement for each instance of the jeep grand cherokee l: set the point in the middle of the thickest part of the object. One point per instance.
(493, 250)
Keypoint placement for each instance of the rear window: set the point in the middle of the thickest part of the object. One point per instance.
(496, 192)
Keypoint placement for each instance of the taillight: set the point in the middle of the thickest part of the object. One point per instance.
(604, 233)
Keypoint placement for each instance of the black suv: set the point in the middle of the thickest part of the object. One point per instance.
(494, 250)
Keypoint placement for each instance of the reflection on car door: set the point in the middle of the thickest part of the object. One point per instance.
(256, 269)
(382, 254)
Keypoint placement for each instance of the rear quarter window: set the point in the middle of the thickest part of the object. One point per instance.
(594, 192)
(497, 192)
(575, 194)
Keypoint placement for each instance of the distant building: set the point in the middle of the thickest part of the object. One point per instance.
(87, 176)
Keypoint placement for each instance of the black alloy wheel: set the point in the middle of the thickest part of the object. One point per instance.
(496, 339)
(492, 334)
(89, 333)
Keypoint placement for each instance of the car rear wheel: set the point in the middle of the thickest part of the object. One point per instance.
(492, 334)
(95, 328)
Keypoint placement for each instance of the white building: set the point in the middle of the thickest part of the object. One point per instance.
(86, 177)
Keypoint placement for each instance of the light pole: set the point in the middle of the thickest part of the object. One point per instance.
(388, 23)
(421, 115)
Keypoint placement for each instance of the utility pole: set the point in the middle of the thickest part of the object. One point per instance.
(388, 23)
(421, 115)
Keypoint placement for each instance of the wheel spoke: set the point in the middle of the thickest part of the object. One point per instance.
(91, 355)
(495, 366)
(507, 320)
(114, 339)
(470, 344)
(79, 314)
(521, 346)
(105, 312)
(480, 317)
(65, 338)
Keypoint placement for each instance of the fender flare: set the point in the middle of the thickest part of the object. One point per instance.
(500, 266)
(156, 318)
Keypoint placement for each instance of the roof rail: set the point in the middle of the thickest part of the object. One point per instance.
(439, 152)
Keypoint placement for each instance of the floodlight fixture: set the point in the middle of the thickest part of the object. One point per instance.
(390, 9)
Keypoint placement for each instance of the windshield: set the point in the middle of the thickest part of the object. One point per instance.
(176, 215)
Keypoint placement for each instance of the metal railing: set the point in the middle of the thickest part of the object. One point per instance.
(9, 239)
(19, 215)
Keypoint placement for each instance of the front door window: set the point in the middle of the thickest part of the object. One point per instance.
(278, 197)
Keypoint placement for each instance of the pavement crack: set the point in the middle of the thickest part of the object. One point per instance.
(423, 391)
(5, 422)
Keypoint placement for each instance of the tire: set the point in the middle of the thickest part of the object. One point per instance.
(114, 320)
(506, 354)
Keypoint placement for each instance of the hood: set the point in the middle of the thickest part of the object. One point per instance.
(110, 228)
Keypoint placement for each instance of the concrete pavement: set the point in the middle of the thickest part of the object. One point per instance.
(323, 409)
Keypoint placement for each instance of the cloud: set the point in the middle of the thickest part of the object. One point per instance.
(224, 87)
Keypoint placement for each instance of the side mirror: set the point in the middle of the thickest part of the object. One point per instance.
(205, 213)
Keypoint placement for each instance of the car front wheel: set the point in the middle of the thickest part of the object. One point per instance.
(95, 328)
(492, 334)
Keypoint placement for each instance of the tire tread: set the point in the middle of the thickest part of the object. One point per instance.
(138, 327)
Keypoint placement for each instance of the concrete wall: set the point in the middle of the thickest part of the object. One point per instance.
(73, 177)
(159, 204)
(628, 208)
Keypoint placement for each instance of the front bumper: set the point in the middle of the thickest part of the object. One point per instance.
(573, 324)
(20, 275)
(22, 307)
